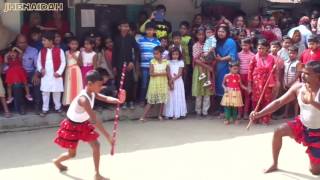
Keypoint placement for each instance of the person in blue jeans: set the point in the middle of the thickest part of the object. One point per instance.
(146, 45)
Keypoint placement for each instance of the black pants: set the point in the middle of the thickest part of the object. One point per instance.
(35, 92)
(128, 85)
(19, 97)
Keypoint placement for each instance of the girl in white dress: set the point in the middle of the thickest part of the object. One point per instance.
(176, 105)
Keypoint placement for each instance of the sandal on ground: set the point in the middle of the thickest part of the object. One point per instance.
(29, 97)
(9, 100)
(160, 118)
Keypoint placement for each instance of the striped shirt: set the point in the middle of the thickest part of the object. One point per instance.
(245, 58)
(146, 48)
(290, 70)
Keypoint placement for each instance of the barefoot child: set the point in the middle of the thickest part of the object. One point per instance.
(16, 74)
(245, 56)
(176, 106)
(73, 77)
(232, 98)
(305, 129)
(158, 84)
(80, 122)
(290, 77)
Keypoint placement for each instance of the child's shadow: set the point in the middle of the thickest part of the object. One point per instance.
(76, 178)
(295, 175)
(70, 176)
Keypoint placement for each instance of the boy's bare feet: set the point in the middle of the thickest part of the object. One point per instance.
(272, 168)
(226, 122)
(60, 166)
(236, 122)
(99, 177)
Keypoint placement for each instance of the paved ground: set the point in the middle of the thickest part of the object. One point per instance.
(190, 149)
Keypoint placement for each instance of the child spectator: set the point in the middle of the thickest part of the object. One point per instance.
(176, 105)
(59, 43)
(146, 44)
(51, 63)
(126, 50)
(284, 53)
(245, 56)
(73, 77)
(232, 99)
(201, 93)
(313, 51)
(7, 113)
(108, 89)
(108, 43)
(259, 70)
(209, 54)
(158, 86)
(186, 43)
(88, 58)
(35, 38)
(275, 47)
(16, 74)
(164, 42)
(290, 77)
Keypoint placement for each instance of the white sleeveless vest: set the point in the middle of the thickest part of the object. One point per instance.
(76, 113)
(310, 116)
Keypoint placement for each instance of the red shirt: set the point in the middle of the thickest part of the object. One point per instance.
(233, 81)
(309, 55)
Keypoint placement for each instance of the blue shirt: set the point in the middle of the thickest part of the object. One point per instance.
(29, 59)
(146, 48)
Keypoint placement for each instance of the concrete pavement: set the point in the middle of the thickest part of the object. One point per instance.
(190, 149)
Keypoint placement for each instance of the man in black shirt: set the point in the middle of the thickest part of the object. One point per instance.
(125, 50)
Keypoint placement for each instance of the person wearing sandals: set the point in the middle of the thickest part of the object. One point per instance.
(7, 113)
(51, 64)
(15, 73)
(158, 85)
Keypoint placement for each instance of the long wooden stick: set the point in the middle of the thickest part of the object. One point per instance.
(116, 116)
(262, 94)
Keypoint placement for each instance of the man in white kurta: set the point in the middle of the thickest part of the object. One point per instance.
(49, 82)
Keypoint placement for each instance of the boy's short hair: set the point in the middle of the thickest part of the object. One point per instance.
(246, 41)
(93, 76)
(49, 35)
(185, 23)
(294, 48)
(209, 27)
(123, 21)
(35, 30)
(164, 37)
(286, 37)
(313, 38)
(161, 7)
(150, 25)
(158, 48)
(72, 39)
(176, 34)
(102, 71)
(275, 43)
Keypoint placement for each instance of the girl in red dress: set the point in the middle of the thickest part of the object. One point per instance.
(232, 98)
(16, 74)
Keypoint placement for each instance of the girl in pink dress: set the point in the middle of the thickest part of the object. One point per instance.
(88, 58)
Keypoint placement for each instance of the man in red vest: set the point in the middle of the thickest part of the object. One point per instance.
(51, 64)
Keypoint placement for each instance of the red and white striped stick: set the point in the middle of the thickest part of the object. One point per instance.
(116, 116)
(262, 94)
